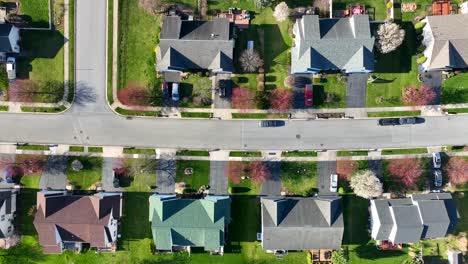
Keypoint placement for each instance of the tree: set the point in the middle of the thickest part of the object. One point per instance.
(134, 95)
(289, 81)
(423, 95)
(338, 257)
(22, 90)
(457, 170)
(259, 172)
(323, 7)
(366, 185)
(151, 6)
(202, 88)
(389, 37)
(281, 99)
(405, 171)
(345, 168)
(24, 164)
(235, 171)
(243, 98)
(281, 12)
(76, 165)
(250, 60)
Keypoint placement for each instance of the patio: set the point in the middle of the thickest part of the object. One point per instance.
(321, 255)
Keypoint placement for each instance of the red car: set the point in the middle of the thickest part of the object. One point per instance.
(309, 95)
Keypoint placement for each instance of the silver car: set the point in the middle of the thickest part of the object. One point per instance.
(436, 160)
(11, 68)
(334, 182)
(437, 178)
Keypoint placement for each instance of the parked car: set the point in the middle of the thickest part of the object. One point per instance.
(175, 92)
(11, 68)
(436, 160)
(389, 121)
(271, 123)
(407, 120)
(165, 89)
(115, 180)
(334, 182)
(9, 175)
(400, 121)
(437, 178)
(309, 95)
(224, 87)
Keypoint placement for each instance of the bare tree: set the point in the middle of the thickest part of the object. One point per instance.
(389, 37)
(250, 60)
(281, 12)
(366, 185)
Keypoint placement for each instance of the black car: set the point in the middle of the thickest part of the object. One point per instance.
(400, 121)
(389, 121)
(271, 123)
(407, 120)
(224, 87)
(116, 181)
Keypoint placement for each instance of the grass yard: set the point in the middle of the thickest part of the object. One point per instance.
(4, 108)
(455, 89)
(456, 110)
(36, 12)
(404, 151)
(186, 152)
(196, 115)
(200, 176)
(245, 154)
(110, 32)
(43, 109)
(136, 112)
(246, 186)
(76, 149)
(89, 175)
(33, 147)
(331, 85)
(258, 116)
(345, 153)
(247, 80)
(394, 113)
(137, 46)
(299, 177)
(298, 154)
(43, 63)
(139, 151)
(95, 149)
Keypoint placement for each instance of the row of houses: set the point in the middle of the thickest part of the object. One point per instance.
(66, 221)
(320, 44)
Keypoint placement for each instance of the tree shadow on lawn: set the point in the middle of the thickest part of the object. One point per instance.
(400, 60)
(26, 201)
(245, 214)
(355, 210)
(135, 221)
(454, 95)
(369, 251)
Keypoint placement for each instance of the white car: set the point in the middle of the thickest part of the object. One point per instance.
(436, 161)
(11, 68)
(175, 92)
(334, 182)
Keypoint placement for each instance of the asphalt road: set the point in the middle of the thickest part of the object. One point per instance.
(90, 121)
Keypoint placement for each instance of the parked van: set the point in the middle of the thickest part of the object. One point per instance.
(11, 68)
(175, 92)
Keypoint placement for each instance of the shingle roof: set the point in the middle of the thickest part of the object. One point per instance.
(6, 199)
(5, 44)
(408, 220)
(186, 45)
(314, 223)
(450, 41)
(75, 218)
(338, 44)
(189, 222)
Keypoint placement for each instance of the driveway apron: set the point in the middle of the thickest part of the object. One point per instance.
(54, 175)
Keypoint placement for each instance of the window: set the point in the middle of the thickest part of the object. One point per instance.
(115, 233)
(9, 228)
(3, 217)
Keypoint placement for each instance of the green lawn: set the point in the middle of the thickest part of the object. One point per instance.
(247, 80)
(71, 50)
(245, 186)
(76, 149)
(43, 109)
(89, 175)
(200, 176)
(330, 85)
(110, 32)
(36, 12)
(404, 151)
(95, 149)
(299, 177)
(343, 153)
(136, 112)
(298, 154)
(196, 115)
(258, 116)
(43, 63)
(457, 110)
(137, 46)
(139, 151)
(193, 153)
(245, 154)
(33, 147)
(394, 113)
(455, 89)
(4, 108)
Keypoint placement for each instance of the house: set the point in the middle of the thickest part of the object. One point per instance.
(65, 221)
(187, 45)
(301, 223)
(9, 39)
(7, 216)
(446, 41)
(343, 44)
(181, 223)
(408, 220)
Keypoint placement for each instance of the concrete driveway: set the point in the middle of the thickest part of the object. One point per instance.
(166, 173)
(218, 176)
(356, 90)
(54, 175)
(272, 186)
(433, 79)
(6, 159)
(324, 170)
(300, 81)
(222, 102)
(108, 165)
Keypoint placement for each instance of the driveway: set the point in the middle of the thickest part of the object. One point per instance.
(166, 173)
(433, 79)
(54, 175)
(272, 186)
(324, 170)
(223, 102)
(356, 90)
(300, 81)
(376, 167)
(5, 159)
(108, 165)
(218, 177)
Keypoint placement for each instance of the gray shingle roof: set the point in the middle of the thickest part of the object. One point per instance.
(186, 45)
(338, 44)
(408, 220)
(5, 44)
(314, 223)
(450, 39)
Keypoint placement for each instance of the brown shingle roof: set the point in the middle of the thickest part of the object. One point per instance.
(74, 218)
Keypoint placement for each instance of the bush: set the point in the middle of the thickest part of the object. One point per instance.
(421, 60)
(421, 48)
(389, 5)
(316, 80)
(262, 100)
(419, 25)
(341, 190)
